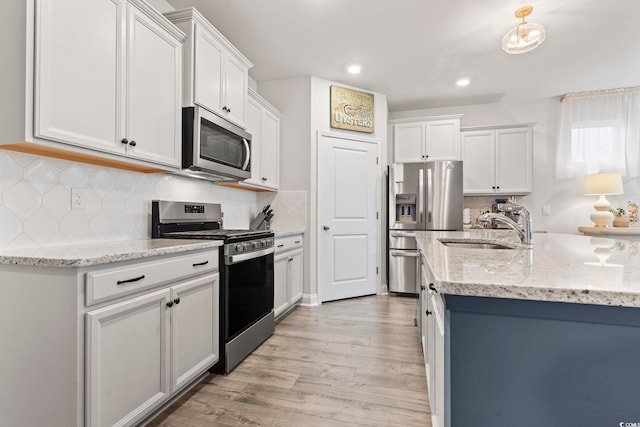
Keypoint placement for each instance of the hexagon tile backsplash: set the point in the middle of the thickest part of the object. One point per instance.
(35, 201)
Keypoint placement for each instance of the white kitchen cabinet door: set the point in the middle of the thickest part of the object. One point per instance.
(270, 150)
(254, 127)
(209, 67)
(79, 84)
(280, 285)
(236, 86)
(194, 328)
(127, 360)
(409, 142)
(442, 140)
(478, 162)
(497, 161)
(514, 162)
(216, 73)
(295, 277)
(154, 92)
(263, 122)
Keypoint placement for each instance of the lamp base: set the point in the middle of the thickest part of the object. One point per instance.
(602, 217)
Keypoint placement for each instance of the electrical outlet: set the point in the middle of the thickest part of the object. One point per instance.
(78, 199)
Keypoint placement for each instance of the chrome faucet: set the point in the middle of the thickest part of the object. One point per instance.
(524, 232)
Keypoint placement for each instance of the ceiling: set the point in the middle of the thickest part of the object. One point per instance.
(414, 50)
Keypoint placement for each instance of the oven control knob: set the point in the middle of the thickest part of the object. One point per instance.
(247, 246)
(255, 245)
(238, 247)
(265, 243)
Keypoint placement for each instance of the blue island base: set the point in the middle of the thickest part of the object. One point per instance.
(519, 363)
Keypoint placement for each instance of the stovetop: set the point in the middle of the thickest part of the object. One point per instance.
(219, 234)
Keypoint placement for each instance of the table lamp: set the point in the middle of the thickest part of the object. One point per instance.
(601, 184)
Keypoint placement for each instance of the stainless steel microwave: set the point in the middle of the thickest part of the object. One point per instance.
(214, 148)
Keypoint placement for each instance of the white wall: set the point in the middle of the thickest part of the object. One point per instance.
(304, 105)
(569, 207)
(35, 201)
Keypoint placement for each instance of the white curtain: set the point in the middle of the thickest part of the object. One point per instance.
(599, 132)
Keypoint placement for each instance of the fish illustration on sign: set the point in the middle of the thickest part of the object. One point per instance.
(351, 109)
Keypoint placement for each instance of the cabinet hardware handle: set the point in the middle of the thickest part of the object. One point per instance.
(428, 313)
(228, 110)
(197, 264)
(493, 188)
(263, 178)
(426, 157)
(432, 287)
(325, 228)
(422, 288)
(133, 143)
(177, 300)
(170, 304)
(124, 140)
(135, 279)
(297, 241)
(290, 259)
(498, 187)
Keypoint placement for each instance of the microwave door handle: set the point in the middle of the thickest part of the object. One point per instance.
(246, 162)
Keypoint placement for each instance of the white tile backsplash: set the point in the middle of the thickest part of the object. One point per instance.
(289, 209)
(35, 201)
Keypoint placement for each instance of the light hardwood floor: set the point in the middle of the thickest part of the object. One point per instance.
(353, 362)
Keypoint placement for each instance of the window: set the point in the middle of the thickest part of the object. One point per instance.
(599, 133)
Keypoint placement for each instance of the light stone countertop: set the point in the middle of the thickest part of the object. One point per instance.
(85, 255)
(286, 233)
(559, 267)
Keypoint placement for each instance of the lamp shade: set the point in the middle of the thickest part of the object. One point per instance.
(603, 183)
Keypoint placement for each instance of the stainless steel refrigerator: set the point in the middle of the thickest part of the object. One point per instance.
(422, 196)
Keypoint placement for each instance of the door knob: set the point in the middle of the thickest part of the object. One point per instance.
(325, 228)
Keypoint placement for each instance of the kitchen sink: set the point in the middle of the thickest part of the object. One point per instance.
(474, 245)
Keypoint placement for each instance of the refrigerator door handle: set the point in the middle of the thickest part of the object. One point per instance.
(429, 196)
(403, 234)
(406, 254)
(420, 193)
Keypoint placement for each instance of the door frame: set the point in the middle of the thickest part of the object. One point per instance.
(314, 220)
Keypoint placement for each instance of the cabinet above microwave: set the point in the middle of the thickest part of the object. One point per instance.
(215, 72)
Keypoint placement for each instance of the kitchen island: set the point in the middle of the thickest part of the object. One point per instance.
(546, 336)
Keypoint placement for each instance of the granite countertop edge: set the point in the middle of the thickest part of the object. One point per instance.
(286, 233)
(524, 280)
(90, 254)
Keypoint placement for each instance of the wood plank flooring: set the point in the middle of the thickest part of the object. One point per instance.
(353, 362)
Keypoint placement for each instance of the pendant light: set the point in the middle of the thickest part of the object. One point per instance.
(526, 36)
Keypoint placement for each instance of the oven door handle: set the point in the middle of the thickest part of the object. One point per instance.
(234, 259)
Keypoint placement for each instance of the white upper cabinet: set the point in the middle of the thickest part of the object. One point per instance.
(498, 161)
(424, 139)
(216, 73)
(263, 122)
(108, 78)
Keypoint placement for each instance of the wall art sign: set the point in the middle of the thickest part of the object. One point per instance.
(351, 109)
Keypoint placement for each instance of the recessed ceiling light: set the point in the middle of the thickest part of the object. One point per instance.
(463, 82)
(354, 69)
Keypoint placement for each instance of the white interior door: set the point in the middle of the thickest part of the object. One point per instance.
(347, 235)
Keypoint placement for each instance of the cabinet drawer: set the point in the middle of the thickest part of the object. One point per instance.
(288, 243)
(111, 283)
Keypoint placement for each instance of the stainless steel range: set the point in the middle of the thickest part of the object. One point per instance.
(246, 274)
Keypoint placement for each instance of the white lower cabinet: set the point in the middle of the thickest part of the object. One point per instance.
(288, 273)
(142, 350)
(127, 359)
(433, 329)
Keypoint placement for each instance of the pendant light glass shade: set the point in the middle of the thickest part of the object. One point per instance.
(526, 36)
